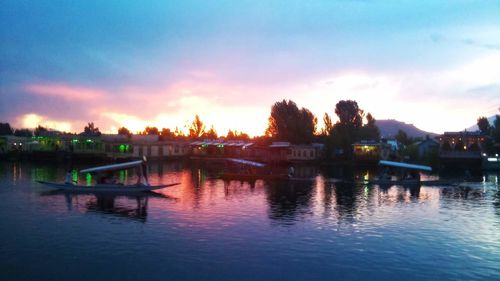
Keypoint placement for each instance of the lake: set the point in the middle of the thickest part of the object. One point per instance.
(209, 229)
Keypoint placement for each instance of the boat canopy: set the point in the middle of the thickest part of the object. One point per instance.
(246, 162)
(404, 165)
(113, 167)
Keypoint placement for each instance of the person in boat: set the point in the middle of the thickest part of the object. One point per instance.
(413, 175)
(385, 174)
(291, 172)
(106, 178)
(110, 178)
(68, 178)
(142, 171)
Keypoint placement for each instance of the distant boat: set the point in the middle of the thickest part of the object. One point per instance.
(111, 187)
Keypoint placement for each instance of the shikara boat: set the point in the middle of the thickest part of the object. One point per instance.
(105, 188)
(413, 181)
(111, 187)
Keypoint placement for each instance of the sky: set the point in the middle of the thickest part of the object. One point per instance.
(434, 64)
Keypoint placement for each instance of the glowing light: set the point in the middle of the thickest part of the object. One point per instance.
(88, 178)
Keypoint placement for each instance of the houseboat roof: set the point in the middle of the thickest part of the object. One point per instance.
(224, 143)
(280, 144)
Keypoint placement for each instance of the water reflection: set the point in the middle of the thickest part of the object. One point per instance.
(246, 227)
(129, 207)
(289, 201)
(286, 202)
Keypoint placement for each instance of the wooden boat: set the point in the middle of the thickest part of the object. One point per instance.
(404, 165)
(108, 187)
(105, 188)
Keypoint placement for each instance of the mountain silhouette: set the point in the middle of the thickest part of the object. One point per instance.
(389, 129)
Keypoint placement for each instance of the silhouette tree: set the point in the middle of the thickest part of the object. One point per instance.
(211, 134)
(350, 115)
(23, 133)
(178, 133)
(151, 131)
(197, 128)
(167, 134)
(235, 135)
(91, 130)
(327, 130)
(484, 125)
(403, 138)
(345, 132)
(369, 131)
(6, 129)
(288, 123)
(124, 132)
(40, 130)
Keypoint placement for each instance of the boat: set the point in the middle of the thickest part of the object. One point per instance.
(105, 188)
(408, 178)
(142, 184)
(404, 165)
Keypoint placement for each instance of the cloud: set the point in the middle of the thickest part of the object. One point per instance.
(33, 120)
(64, 91)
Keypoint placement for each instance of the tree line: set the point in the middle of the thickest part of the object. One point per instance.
(286, 122)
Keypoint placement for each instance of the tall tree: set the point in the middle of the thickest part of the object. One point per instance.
(345, 132)
(327, 121)
(151, 131)
(167, 134)
(197, 128)
(40, 130)
(289, 123)
(235, 135)
(483, 124)
(91, 130)
(6, 129)
(350, 115)
(124, 132)
(369, 131)
(178, 133)
(212, 133)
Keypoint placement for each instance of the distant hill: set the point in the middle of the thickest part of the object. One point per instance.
(389, 128)
(474, 128)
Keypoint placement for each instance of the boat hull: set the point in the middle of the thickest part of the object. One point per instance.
(105, 188)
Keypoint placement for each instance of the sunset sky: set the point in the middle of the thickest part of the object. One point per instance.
(435, 64)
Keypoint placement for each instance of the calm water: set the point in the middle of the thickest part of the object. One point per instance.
(209, 229)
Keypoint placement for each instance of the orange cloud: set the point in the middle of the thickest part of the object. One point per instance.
(64, 91)
(32, 120)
